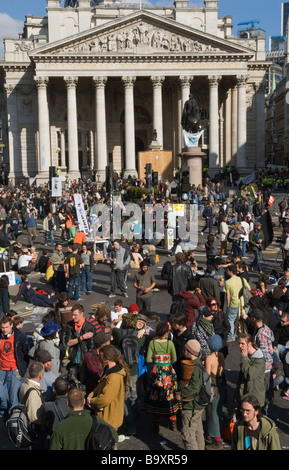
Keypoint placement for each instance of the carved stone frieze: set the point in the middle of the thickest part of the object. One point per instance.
(140, 36)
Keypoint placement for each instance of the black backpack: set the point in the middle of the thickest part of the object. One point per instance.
(231, 235)
(129, 346)
(18, 426)
(100, 436)
(178, 306)
(206, 394)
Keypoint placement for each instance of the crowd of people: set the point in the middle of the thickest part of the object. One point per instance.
(115, 363)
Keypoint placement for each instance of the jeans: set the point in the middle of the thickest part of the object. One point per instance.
(117, 279)
(256, 262)
(74, 284)
(232, 313)
(59, 282)
(49, 234)
(10, 382)
(86, 280)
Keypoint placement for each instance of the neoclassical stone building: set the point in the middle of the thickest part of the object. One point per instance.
(89, 83)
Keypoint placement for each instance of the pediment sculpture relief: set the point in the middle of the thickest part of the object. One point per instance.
(140, 36)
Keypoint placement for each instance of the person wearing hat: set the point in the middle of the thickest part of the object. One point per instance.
(202, 329)
(215, 366)
(129, 319)
(48, 379)
(91, 368)
(192, 424)
(48, 344)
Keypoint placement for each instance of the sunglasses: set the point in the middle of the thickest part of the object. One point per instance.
(213, 304)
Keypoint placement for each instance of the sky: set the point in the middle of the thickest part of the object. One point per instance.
(267, 12)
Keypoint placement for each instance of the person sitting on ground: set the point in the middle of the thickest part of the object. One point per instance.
(29, 295)
(23, 262)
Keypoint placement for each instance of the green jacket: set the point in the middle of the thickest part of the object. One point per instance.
(268, 436)
(251, 377)
(193, 388)
(252, 239)
(71, 433)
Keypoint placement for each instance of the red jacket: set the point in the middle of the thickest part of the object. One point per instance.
(191, 304)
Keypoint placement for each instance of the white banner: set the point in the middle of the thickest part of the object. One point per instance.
(191, 140)
(81, 215)
(247, 179)
(56, 187)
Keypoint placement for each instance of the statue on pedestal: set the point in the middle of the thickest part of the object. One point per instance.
(191, 116)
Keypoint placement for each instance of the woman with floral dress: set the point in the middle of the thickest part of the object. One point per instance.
(162, 380)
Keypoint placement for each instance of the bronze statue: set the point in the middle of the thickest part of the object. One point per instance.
(191, 116)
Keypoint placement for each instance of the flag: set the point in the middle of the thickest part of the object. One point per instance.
(191, 140)
(267, 228)
(271, 200)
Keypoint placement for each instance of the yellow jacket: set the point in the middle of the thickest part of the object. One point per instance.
(107, 399)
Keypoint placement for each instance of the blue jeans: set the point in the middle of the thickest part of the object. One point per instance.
(49, 234)
(256, 261)
(10, 382)
(86, 280)
(232, 313)
(74, 284)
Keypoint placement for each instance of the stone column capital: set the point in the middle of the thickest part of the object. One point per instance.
(71, 82)
(9, 88)
(41, 82)
(99, 82)
(157, 80)
(242, 79)
(186, 80)
(128, 81)
(214, 80)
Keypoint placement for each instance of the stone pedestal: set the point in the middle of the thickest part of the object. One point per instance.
(192, 161)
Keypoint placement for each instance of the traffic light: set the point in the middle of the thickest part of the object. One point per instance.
(148, 175)
(108, 178)
(185, 182)
(155, 178)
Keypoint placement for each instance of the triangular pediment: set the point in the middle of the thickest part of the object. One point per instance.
(141, 33)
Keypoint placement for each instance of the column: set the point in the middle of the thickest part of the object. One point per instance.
(15, 168)
(43, 125)
(185, 81)
(234, 120)
(100, 157)
(130, 166)
(242, 123)
(157, 82)
(260, 125)
(228, 128)
(73, 166)
(62, 148)
(214, 151)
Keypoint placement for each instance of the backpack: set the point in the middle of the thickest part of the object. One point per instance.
(129, 347)
(245, 293)
(206, 394)
(100, 436)
(178, 306)
(18, 426)
(231, 235)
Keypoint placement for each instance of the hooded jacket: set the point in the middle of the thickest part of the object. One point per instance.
(251, 377)
(107, 399)
(192, 303)
(268, 436)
